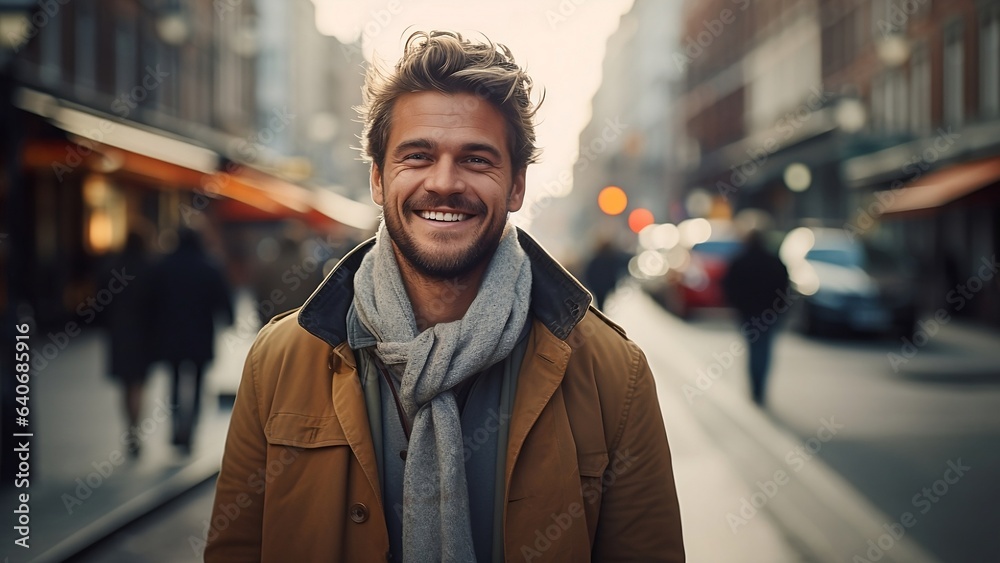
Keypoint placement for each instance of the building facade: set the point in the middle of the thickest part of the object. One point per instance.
(889, 105)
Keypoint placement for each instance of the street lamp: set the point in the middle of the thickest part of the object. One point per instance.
(850, 115)
(173, 28)
(14, 27)
(797, 177)
(894, 50)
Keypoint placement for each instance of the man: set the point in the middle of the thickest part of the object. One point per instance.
(754, 281)
(446, 394)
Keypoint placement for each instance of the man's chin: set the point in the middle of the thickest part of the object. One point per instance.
(445, 266)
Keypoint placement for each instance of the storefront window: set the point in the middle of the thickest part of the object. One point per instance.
(106, 211)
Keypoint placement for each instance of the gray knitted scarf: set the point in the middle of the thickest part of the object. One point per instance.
(436, 522)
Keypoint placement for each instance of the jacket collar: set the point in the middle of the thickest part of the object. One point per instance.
(557, 298)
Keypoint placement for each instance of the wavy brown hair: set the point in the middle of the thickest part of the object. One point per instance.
(446, 62)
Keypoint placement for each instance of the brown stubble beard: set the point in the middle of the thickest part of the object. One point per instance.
(444, 267)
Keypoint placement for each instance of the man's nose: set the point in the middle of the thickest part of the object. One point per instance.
(444, 177)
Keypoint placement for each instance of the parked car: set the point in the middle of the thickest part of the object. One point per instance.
(693, 280)
(849, 284)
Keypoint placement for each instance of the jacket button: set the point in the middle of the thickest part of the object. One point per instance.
(358, 512)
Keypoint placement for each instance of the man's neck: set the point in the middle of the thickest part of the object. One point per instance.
(437, 300)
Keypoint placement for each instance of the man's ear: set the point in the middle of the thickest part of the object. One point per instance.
(376, 185)
(516, 198)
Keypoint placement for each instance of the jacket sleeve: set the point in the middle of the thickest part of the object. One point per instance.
(640, 517)
(234, 533)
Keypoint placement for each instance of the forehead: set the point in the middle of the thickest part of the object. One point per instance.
(447, 118)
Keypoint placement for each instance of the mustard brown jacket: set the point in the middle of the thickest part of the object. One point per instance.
(588, 472)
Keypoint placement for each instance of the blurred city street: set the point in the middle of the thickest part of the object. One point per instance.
(791, 206)
(84, 485)
(894, 433)
(893, 437)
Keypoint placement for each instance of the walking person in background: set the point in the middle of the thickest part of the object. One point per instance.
(191, 291)
(605, 268)
(129, 325)
(754, 280)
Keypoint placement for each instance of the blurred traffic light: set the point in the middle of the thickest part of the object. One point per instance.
(639, 219)
(612, 200)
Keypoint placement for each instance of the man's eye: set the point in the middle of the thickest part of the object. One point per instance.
(415, 156)
(477, 160)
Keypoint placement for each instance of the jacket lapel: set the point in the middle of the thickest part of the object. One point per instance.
(349, 403)
(542, 371)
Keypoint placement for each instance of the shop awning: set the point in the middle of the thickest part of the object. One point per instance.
(110, 145)
(943, 187)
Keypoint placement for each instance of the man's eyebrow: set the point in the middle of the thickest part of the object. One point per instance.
(424, 144)
(483, 147)
(427, 145)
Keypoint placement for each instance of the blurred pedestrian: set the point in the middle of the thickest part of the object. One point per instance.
(755, 281)
(191, 291)
(605, 268)
(129, 323)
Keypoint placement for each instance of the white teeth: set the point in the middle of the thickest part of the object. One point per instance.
(442, 216)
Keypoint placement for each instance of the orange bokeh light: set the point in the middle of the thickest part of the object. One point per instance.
(612, 200)
(640, 219)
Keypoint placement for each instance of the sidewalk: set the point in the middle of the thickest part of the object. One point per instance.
(707, 480)
(83, 485)
(727, 459)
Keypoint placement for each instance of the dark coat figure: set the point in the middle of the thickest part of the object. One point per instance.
(129, 322)
(128, 316)
(754, 282)
(191, 291)
(604, 270)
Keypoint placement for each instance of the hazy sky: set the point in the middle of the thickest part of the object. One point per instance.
(560, 42)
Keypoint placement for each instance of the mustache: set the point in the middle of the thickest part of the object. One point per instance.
(454, 201)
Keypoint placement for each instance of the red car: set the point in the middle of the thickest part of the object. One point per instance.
(697, 281)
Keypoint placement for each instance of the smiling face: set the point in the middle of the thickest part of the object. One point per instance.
(447, 183)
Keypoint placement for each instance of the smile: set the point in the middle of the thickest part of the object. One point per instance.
(442, 216)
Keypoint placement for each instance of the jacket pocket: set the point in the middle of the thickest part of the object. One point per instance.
(303, 431)
(592, 467)
(593, 464)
